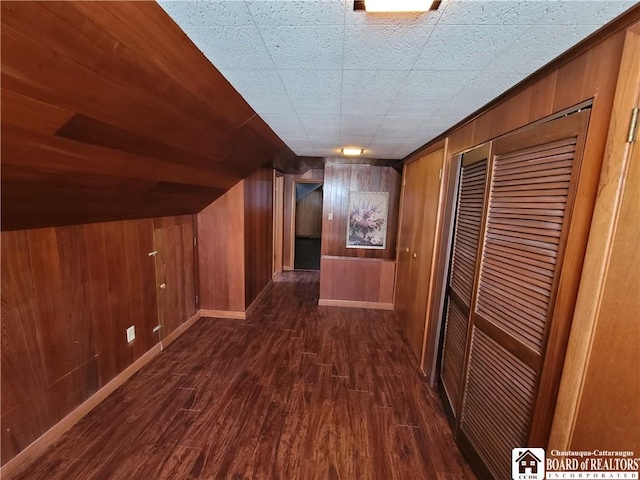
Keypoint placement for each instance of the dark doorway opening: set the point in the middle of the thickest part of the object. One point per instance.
(308, 226)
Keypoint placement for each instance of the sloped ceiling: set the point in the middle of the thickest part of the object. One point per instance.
(109, 112)
(323, 76)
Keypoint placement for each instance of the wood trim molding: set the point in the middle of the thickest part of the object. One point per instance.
(358, 259)
(428, 150)
(257, 300)
(223, 314)
(47, 439)
(180, 330)
(324, 302)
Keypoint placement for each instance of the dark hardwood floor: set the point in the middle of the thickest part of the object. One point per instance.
(296, 391)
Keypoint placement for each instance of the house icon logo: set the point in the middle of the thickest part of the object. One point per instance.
(527, 463)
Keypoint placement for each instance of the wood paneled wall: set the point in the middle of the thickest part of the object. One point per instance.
(68, 296)
(313, 175)
(110, 112)
(339, 180)
(175, 268)
(221, 252)
(235, 235)
(309, 215)
(258, 237)
(587, 74)
(365, 282)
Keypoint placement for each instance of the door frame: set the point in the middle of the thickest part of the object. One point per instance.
(278, 221)
(292, 226)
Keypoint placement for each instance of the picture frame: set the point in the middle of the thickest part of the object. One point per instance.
(367, 219)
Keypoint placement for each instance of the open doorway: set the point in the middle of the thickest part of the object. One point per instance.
(308, 225)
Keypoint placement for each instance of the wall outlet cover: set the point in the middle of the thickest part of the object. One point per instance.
(131, 333)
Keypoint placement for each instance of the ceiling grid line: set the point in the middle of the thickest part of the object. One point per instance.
(323, 76)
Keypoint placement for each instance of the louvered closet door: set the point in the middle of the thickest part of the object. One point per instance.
(468, 222)
(533, 178)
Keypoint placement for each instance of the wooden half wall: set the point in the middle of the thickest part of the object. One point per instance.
(348, 276)
(68, 296)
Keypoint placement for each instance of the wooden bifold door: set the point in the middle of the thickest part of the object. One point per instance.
(504, 337)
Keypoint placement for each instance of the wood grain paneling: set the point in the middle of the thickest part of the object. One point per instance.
(311, 175)
(116, 115)
(309, 215)
(339, 180)
(68, 296)
(221, 252)
(357, 279)
(420, 206)
(258, 236)
(175, 273)
(598, 399)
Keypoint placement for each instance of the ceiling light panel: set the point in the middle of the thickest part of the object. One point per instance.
(373, 6)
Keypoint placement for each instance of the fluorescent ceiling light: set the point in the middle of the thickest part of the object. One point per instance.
(397, 5)
(352, 151)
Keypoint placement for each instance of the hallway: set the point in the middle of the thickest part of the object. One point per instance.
(296, 391)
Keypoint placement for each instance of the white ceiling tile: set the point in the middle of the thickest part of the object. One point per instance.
(382, 83)
(434, 84)
(312, 82)
(287, 123)
(205, 13)
(368, 121)
(576, 12)
(297, 12)
(402, 126)
(305, 152)
(538, 46)
(418, 106)
(501, 12)
(327, 152)
(389, 47)
(317, 104)
(323, 76)
(472, 47)
(385, 152)
(305, 47)
(270, 103)
(355, 105)
(361, 141)
(317, 125)
(360, 126)
(250, 82)
(231, 48)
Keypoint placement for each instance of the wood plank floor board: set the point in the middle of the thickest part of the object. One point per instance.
(295, 392)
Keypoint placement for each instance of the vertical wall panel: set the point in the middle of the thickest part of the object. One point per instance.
(221, 252)
(339, 180)
(258, 237)
(68, 295)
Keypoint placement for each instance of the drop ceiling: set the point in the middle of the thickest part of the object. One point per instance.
(323, 76)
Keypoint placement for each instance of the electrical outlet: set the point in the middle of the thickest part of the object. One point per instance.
(330, 216)
(131, 333)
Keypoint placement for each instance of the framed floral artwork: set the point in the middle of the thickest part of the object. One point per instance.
(367, 220)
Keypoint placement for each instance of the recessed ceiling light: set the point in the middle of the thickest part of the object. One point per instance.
(398, 5)
(352, 151)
